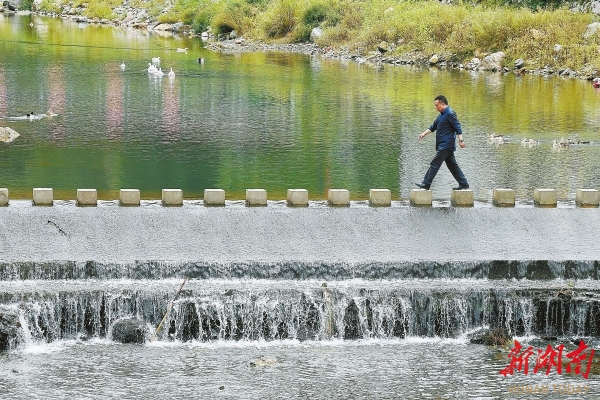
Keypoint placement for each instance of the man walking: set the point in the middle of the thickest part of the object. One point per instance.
(448, 128)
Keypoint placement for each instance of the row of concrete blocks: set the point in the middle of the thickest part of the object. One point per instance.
(299, 197)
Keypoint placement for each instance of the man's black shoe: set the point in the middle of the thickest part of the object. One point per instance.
(422, 186)
(461, 187)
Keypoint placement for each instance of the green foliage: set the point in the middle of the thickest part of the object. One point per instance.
(280, 18)
(236, 15)
(25, 4)
(99, 10)
(528, 29)
(50, 6)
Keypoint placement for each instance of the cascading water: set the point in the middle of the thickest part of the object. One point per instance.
(224, 310)
(328, 288)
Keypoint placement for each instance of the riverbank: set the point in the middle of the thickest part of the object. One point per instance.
(533, 43)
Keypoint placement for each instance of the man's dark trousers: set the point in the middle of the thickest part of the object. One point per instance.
(446, 155)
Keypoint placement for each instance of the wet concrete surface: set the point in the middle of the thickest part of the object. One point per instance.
(194, 233)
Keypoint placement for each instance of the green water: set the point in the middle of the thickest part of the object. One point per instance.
(268, 120)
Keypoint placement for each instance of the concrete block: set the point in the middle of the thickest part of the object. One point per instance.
(129, 197)
(87, 197)
(338, 197)
(462, 198)
(256, 197)
(172, 197)
(380, 197)
(584, 197)
(503, 197)
(43, 196)
(214, 197)
(545, 197)
(297, 197)
(421, 197)
(3, 196)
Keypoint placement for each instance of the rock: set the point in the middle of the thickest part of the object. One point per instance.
(493, 62)
(140, 25)
(233, 34)
(9, 5)
(557, 48)
(263, 361)
(591, 29)
(492, 337)
(129, 330)
(316, 34)
(520, 63)
(383, 47)
(7, 134)
(434, 59)
(163, 27)
(536, 34)
(10, 329)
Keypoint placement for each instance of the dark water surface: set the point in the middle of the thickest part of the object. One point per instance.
(268, 120)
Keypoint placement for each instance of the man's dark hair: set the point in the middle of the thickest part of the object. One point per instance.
(441, 98)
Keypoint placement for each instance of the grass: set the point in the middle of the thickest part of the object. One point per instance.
(521, 29)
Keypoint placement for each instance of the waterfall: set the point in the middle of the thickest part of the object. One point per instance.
(251, 310)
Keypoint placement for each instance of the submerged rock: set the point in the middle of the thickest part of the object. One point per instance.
(7, 134)
(492, 337)
(10, 329)
(129, 330)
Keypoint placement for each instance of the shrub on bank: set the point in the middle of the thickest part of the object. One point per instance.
(542, 36)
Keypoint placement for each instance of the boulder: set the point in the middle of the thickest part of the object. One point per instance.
(10, 329)
(591, 29)
(520, 63)
(434, 59)
(129, 330)
(383, 47)
(163, 27)
(493, 62)
(10, 5)
(7, 134)
(316, 34)
(492, 337)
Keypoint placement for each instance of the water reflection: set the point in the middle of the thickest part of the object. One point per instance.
(3, 95)
(170, 110)
(57, 101)
(114, 103)
(274, 120)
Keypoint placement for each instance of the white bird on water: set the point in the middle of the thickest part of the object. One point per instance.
(156, 60)
(123, 65)
(180, 50)
(171, 73)
(152, 69)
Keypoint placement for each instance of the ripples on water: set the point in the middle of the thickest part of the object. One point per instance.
(269, 120)
(430, 368)
(274, 121)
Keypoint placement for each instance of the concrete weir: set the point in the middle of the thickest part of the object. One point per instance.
(348, 235)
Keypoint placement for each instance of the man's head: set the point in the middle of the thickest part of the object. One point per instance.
(440, 102)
